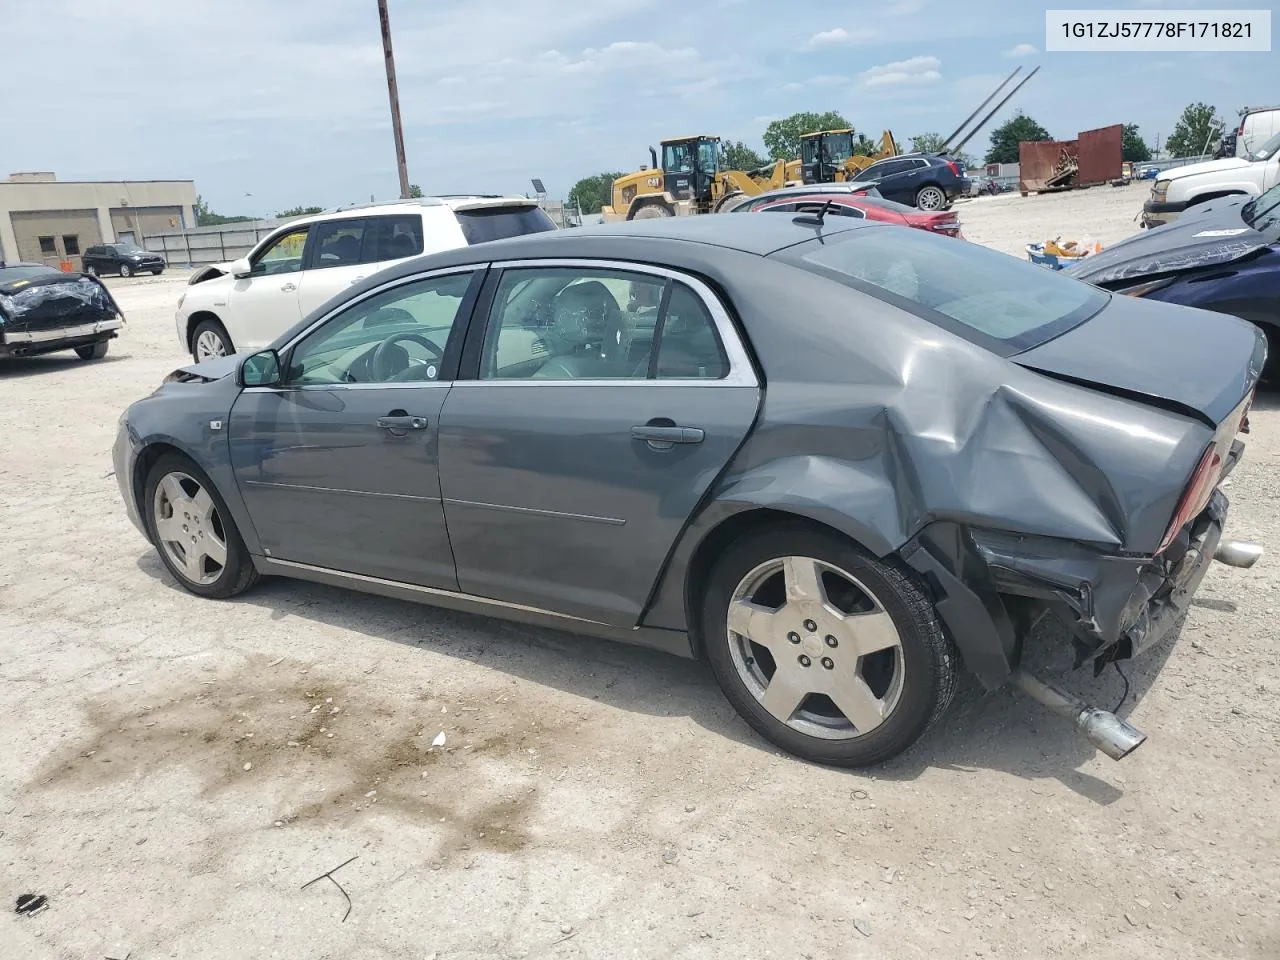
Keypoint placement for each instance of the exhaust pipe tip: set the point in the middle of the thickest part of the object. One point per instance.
(1238, 553)
(1115, 737)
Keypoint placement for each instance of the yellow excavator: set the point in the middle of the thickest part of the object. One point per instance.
(689, 181)
(827, 156)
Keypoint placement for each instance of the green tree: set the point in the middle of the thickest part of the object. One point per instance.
(1133, 148)
(299, 212)
(736, 155)
(782, 137)
(415, 191)
(1194, 129)
(591, 193)
(927, 143)
(864, 146)
(1005, 138)
(207, 218)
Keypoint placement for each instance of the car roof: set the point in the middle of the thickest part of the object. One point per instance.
(451, 201)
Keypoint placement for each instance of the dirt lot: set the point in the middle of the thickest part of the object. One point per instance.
(172, 771)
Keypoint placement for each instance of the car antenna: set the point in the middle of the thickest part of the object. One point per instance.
(817, 219)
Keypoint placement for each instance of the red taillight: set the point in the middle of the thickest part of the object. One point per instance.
(955, 167)
(1197, 495)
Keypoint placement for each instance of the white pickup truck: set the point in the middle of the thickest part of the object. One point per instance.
(1180, 187)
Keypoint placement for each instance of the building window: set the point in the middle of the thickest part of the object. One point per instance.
(47, 247)
(71, 244)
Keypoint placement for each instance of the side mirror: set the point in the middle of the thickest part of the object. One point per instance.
(261, 370)
(241, 267)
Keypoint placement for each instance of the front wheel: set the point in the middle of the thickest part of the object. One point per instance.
(192, 529)
(209, 341)
(931, 198)
(652, 211)
(125, 270)
(92, 351)
(831, 654)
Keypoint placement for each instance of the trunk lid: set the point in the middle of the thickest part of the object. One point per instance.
(1194, 362)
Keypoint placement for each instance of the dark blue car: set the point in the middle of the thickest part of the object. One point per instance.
(1221, 255)
(923, 180)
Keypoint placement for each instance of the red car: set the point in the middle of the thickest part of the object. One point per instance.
(856, 205)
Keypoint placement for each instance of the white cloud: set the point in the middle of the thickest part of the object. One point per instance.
(839, 36)
(1021, 50)
(912, 72)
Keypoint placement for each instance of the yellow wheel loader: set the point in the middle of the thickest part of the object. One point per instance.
(689, 181)
(827, 156)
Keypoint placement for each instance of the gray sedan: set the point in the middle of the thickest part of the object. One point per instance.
(838, 460)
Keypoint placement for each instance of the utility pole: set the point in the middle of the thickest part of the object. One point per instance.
(401, 166)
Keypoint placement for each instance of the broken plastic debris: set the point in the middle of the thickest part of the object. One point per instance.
(31, 903)
(439, 740)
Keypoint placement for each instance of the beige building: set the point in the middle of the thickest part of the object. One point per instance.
(44, 220)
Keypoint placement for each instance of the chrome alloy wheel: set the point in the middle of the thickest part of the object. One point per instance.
(189, 528)
(931, 198)
(209, 345)
(816, 647)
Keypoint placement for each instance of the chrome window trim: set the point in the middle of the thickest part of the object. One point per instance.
(742, 372)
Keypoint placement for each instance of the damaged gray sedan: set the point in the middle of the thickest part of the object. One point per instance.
(840, 461)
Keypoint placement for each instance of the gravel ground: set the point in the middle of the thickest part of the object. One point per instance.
(173, 771)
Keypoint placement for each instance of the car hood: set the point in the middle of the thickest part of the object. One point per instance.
(1207, 234)
(1209, 166)
(1191, 361)
(207, 370)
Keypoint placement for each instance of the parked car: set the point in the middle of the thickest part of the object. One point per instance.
(1222, 255)
(43, 310)
(854, 187)
(1178, 188)
(244, 305)
(122, 258)
(1257, 126)
(863, 207)
(862, 458)
(924, 180)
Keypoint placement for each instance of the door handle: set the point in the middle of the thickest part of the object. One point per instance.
(356, 280)
(402, 423)
(288, 287)
(662, 436)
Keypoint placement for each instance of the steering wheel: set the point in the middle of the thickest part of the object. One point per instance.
(380, 363)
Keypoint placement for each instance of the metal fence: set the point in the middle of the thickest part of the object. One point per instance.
(205, 245)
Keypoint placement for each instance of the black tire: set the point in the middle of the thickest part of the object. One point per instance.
(158, 272)
(928, 661)
(238, 573)
(125, 270)
(216, 329)
(651, 211)
(93, 351)
(731, 201)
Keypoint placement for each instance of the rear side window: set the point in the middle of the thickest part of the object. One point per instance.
(392, 238)
(999, 302)
(498, 223)
(338, 243)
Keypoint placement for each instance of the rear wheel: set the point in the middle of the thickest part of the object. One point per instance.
(125, 270)
(931, 197)
(209, 341)
(827, 652)
(193, 530)
(158, 271)
(92, 351)
(652, 211)
(730, 202)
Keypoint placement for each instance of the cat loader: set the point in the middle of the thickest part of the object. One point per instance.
(827, 156)
(689, 181)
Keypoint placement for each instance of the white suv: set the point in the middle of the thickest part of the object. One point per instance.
(244, 305)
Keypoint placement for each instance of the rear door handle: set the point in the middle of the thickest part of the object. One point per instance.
(356, 280)
(651, 433)
(402, 423)
(288, 287)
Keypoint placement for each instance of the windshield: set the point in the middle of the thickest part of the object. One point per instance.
(990, 298)
(1267, 150)
(837, 147)
(24, 272)
(708, 155)
(1263, 214)
(677, 157)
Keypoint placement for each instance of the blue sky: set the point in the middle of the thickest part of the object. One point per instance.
(285, 100)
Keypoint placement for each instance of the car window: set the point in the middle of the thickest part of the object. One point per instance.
(1268, 149)
(337, 244)
(884, 168)
(498, 223)
(392, 238)
(283, 255)
(397, 336)
(1002, 303)
(596, 324)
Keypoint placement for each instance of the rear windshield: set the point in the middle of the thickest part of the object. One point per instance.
(499, 223)
(995, 300)
(10, 274)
